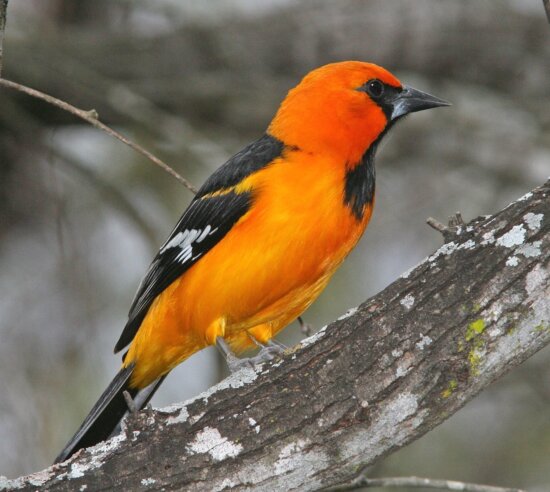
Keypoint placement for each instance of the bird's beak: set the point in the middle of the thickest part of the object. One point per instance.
(410, 100)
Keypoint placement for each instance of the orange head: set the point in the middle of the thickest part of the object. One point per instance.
(342, 108)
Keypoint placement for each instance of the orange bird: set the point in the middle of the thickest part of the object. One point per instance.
(262, 237)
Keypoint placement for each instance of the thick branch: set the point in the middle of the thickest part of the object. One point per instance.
(361, 388)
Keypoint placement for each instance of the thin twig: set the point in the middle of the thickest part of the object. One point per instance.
(435, 224)
(25, 124)
(92, 118)
(417, 482)
(456, 221)
(448, 231)
(3, 10)
(546, 4)
(131, 104)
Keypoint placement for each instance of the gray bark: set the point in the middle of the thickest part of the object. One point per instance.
(359, 389)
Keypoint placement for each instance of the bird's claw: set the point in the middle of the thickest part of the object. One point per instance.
(235, 364)
(268, 352)
(305, 328)
(130, 402)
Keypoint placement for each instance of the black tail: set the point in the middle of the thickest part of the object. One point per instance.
(104, 418)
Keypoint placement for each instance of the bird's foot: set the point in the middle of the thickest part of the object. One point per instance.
(235, 364)
(271, 345)
(268, 352)
(275, 344)
(130, 403)
(305, 328)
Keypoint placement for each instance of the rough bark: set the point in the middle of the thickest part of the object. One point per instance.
(362, 387)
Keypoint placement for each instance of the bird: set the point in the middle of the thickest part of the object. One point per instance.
(262, 237)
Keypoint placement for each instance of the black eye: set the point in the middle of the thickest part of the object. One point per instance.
(375, 88)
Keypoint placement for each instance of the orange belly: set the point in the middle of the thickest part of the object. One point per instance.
(264, 273)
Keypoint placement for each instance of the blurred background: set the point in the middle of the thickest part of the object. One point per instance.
(81, 215)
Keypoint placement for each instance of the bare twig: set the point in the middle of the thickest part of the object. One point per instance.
(25, 123)
(131, 104)
(3, 10)
(92, 118)
(448, 231)
(425, 483)
(456, 220)
(88, 116)
(435, 224)
(546, 4)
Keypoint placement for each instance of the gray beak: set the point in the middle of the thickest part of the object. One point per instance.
(410, 100)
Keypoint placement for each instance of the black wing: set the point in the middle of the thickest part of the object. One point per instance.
(251, 159)
(205, 222)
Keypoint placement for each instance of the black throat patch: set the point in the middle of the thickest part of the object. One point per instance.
(360, 182)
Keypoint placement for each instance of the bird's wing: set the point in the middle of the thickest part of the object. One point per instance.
(210, 216)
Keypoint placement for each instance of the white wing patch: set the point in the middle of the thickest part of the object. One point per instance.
(185, 240)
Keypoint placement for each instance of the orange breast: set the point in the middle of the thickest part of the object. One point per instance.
(268, 269)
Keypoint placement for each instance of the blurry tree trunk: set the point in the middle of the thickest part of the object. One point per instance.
(361, 388)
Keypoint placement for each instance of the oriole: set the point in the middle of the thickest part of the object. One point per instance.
(263, 235)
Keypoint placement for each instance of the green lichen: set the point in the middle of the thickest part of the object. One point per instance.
(474, 329)
(474, 359)
(477, 345)
(451, 387)
(476, 307)
(541, 328)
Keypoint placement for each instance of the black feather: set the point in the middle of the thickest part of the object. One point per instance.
(103, 417)
(249, 160)
(360, 183)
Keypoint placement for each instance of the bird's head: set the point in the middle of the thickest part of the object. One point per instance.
(342, 108)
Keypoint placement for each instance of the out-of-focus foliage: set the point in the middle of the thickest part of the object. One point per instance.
(81, 215)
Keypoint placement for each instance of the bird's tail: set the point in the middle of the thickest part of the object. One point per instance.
(105, 416)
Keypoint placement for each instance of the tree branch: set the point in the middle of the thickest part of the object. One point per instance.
(132, 106)
(3, 12)
(423, 483)
(25, 124)
(92, 118)
(369, 383)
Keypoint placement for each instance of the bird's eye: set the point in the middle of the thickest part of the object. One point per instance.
(375, 88)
